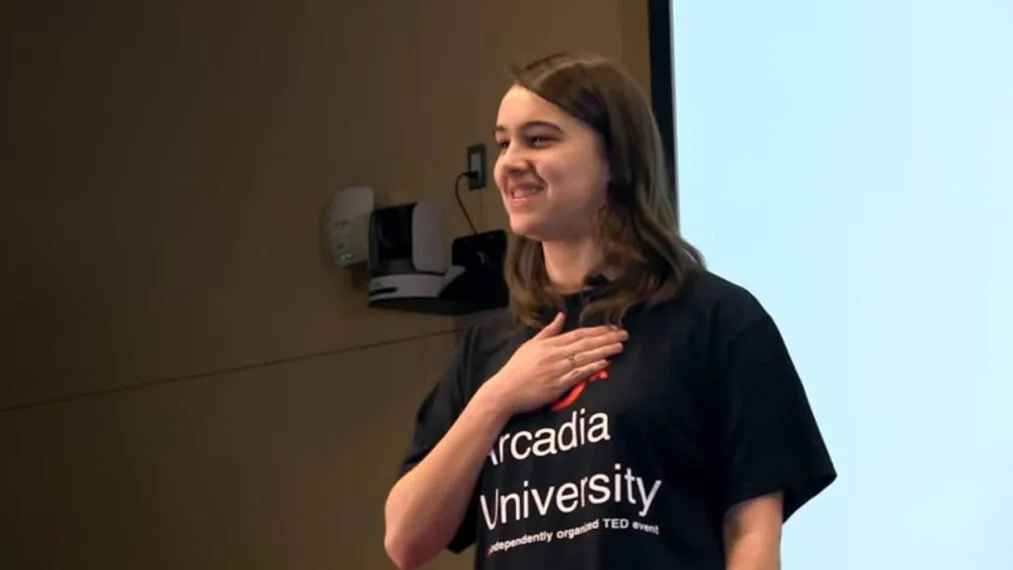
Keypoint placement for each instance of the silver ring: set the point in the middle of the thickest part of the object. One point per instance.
(573, 360)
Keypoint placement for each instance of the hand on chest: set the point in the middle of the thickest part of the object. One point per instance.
(608, 443)
(643, 399)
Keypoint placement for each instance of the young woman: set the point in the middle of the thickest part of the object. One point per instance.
(634, 410)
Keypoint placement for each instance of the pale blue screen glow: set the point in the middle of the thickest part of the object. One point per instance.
(851, 163)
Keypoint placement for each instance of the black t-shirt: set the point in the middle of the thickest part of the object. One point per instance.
(636, 467)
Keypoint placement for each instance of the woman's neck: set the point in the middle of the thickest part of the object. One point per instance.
(568, 264)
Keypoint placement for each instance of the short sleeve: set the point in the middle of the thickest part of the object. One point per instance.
(436, 413)
(769, 437)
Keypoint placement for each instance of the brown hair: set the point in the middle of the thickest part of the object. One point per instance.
(637, 226)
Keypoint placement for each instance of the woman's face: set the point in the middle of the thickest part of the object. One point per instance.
(551, 171)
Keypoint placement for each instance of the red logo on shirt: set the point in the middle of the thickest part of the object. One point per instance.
(571, 396)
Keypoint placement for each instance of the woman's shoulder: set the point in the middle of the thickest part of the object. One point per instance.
(706, 288)
(719, 302)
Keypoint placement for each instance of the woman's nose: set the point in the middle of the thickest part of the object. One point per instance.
(513, 159)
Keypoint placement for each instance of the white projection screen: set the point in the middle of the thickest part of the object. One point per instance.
(851, 163)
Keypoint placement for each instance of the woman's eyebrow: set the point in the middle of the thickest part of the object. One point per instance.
(529, 125)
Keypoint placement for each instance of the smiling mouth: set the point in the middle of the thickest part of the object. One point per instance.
(522, 192)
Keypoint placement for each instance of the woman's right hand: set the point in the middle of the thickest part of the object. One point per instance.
(550, 363)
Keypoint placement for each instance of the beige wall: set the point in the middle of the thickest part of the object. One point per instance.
(186, 382)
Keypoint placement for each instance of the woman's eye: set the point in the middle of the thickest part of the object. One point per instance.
(502, 144)
(539, 141)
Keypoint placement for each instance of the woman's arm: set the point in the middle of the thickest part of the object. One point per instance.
(752, 533)
(425, 508)
(773, 458)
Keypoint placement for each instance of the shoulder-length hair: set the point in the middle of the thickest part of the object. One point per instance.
(637, 225)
